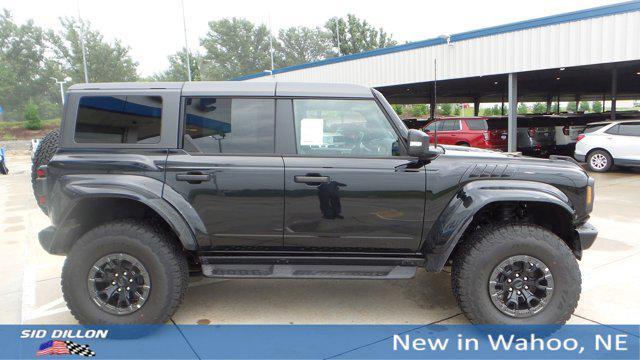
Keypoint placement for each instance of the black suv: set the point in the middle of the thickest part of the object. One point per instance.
(146, 183)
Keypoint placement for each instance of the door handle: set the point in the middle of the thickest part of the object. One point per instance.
(193, 177)
(311, 179)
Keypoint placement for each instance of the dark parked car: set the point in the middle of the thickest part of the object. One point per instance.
(146, 182)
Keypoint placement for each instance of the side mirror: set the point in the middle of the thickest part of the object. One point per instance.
(418, 143)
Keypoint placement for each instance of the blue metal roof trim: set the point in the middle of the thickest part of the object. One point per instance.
(500, 29)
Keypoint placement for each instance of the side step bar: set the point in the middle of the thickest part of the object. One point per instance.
(300, 271)
(310, 267)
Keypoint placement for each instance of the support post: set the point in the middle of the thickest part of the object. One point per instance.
(604, 99)
(614, 92)
(513, 113)
(549, 101)
(476, 106)
(502, 105)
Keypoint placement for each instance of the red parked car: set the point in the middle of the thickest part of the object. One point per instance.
(480, 132)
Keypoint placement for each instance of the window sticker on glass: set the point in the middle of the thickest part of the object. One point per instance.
(312, 131)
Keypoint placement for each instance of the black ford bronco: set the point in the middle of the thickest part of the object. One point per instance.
(146, 183)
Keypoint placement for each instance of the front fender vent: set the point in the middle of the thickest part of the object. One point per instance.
(489, 171)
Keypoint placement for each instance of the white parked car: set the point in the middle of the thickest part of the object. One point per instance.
(606, 143)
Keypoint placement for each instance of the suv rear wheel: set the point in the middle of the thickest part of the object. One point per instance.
(516, 274)
(599, 161)
(124, 272)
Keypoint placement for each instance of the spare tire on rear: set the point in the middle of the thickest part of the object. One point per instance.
(43, 154)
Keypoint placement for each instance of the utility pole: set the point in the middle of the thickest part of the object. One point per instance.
(186, 44)
(84, 51)
(271, 45)
(338, 35)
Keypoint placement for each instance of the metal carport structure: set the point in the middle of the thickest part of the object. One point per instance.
(583, 55)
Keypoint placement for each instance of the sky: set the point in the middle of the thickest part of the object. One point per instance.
(154, 29)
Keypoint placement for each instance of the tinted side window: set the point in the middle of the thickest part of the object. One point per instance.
(477, 124)
(613, 130)
(431, 127)
(629, 129)
(119, 119)
(451, 125)
(350, 128)
(229, 126)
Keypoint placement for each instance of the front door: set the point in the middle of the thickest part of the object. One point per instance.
(349, 188)
(228, 172)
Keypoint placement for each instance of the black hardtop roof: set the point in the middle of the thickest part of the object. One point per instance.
(238, 88)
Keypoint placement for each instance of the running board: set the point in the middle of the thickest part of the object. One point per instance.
(301, 271)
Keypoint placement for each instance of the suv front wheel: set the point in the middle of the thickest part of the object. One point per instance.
(124, 272)
(516, 274)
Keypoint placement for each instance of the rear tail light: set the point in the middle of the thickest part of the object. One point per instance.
(486, 135)
(565, 130)
(532, 132)
(42, 200)
(580, 137)
(41, 173)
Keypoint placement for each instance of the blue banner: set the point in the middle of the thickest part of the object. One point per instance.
(321, 342)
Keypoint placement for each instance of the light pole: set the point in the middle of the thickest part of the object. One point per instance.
(61, 83)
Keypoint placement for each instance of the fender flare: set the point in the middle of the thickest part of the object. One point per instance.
(471, 198)
(148, 191)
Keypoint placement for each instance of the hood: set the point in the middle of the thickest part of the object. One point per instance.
(557, 170)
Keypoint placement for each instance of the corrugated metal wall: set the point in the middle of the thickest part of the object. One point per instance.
(591, 41)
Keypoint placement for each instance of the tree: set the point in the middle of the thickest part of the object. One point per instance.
(356, 35)
(445, 109)
(106, 62)
(299, 45)
(555, 109)
(522, 108)
(177, 70)
(235, 47)
(25, 69)
(32, 119)
(539, 108)
(457, 109)
(584, 106)
(571, 106)
(597, 106)
(397, 108)
(419, 109)
(496, 110)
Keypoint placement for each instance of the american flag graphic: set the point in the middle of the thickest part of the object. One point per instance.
(53, 347)
(59, 347)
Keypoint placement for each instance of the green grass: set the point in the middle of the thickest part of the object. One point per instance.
(5, 125)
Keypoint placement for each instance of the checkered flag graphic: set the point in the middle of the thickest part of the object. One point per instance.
(78, 349)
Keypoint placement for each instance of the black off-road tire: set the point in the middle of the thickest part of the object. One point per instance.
(605, 159)
(152, 245)
(43, 154)
(487, 247)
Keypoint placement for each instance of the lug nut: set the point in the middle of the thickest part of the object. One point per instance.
(127, 288)
(125, 273)
(526, 287)
(519, 292)
(517, 275)
(508, 280)
(510, 289)
(116, 274)
(119, 289)
(525, 278)
(130, 280)
(113, 283)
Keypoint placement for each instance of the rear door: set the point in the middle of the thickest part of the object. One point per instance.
(627, 142)
(348, 186)
(229, 172)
